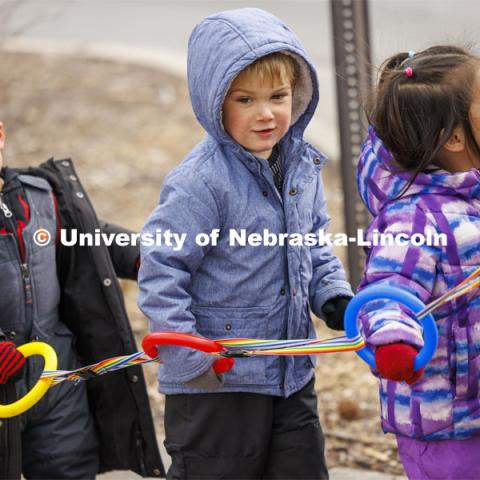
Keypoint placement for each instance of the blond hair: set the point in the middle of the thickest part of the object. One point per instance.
(272, 67)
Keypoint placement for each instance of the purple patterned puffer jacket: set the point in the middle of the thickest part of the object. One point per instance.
(444, 404)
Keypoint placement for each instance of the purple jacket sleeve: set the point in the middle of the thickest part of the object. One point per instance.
(406, 265)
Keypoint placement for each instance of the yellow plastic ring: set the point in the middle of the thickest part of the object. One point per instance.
(40, 388)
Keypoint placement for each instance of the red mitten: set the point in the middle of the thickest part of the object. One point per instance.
(223, 365)
(395, 362)
(11, 361)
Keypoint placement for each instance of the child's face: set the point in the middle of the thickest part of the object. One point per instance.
(257, 114)
(475, 111)
(457, 155)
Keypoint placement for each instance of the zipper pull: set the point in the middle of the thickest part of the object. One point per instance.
(5, 209)
(24, 269)
(26, 283)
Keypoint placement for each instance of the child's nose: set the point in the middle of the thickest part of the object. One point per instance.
(265, 113)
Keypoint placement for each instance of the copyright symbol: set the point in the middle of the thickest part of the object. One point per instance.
(41, 237)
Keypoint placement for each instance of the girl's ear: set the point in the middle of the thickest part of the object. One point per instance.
(456, 142)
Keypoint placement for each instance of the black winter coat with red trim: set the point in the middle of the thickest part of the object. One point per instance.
(92, 306)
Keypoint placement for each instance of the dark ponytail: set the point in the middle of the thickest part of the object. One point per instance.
(418, 102)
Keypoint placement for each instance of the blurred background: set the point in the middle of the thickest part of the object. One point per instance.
(103, 82)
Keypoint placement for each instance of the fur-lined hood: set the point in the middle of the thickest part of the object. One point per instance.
(223, 45)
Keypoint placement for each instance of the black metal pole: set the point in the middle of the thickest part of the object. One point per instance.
(353, 78)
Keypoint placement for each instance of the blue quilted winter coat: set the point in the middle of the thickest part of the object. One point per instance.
(227, 290)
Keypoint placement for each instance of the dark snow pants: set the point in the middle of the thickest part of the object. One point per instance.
(244, 436)
(59, 438)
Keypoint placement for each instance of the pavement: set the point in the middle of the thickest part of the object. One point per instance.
(335, 473)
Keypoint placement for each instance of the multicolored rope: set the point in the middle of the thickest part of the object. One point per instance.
(251, 347)
(465, 286)
(236, 347)
(248, 347)
(97, 369)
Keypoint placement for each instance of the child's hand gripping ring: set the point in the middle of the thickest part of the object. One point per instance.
(151, 341)
(430, 333)
(42, 385)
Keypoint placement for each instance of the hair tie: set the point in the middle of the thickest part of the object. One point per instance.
(411, 54)
(409, 72)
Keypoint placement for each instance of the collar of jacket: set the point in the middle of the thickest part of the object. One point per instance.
(292, 150)
(380, 182)
(9, 176)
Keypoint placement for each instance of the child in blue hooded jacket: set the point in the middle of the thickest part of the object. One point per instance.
(254, 90)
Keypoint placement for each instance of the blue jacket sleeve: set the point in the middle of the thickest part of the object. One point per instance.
(328, 275)
(187, 207)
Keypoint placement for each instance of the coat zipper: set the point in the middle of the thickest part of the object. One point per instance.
(6, 212)
(27, 285)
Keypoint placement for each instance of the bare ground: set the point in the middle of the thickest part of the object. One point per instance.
(126, 126)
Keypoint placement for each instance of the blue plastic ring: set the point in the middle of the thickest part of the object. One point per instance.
(430, 333)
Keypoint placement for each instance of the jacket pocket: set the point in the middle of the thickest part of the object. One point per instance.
(12, 298)
(61, 339)
(464, 364)
(311, 335)
(46, 290)
(459, 362)
(462, 348)
(249, 322)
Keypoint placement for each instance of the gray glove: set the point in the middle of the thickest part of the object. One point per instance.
(208, 380)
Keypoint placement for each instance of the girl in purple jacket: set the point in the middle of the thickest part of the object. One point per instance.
(418, 176)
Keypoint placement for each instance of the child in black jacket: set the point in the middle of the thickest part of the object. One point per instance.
(69, 297)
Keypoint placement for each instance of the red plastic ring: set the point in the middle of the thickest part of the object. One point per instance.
(151, 341)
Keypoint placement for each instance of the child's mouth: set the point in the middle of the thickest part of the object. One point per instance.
(265, 133)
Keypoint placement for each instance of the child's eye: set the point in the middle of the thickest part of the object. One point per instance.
(279, 96)
(244, 100)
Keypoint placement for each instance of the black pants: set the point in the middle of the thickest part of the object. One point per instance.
(244, 436)
(10, 438)
(59, 437)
